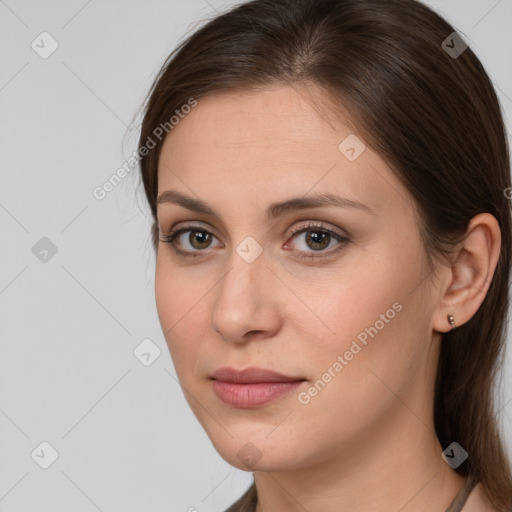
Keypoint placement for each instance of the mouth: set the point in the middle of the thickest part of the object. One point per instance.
(252, 387)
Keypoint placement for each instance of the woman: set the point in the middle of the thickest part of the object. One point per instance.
(328, 181)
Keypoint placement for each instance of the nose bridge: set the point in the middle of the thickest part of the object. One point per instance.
(240, 283)
(243, 302)
(248, 265)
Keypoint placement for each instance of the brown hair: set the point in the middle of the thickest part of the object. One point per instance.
(432, 116)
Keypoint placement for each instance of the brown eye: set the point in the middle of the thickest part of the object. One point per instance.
(317, 242)
(317, 239)
(197, 241)
(203, 239)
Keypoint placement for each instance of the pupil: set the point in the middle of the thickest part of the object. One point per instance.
(199, 236)
(317, 238)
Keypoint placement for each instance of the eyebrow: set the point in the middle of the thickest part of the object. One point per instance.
(274, 210)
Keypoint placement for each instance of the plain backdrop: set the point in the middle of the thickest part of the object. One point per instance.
(77, 273)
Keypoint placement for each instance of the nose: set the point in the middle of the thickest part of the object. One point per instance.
(246, 305)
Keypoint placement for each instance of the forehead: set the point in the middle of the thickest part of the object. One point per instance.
(272, 143)
(278, 119)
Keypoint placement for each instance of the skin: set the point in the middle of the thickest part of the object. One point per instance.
(366, 441)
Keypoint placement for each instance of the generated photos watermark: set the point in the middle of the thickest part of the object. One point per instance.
(101, 192)
(305, 397)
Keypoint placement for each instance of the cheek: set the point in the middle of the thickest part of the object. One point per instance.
(340, 303)
(364, 310)
(379, 340)
(181, 311)
(351, 374)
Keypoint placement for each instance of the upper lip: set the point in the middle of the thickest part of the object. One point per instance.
(251, 375)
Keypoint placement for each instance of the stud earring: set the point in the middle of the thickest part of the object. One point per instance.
(451, 321)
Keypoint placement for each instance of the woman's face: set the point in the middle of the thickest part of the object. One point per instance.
(353, 324)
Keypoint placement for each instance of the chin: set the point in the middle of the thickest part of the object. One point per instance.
(258, 452)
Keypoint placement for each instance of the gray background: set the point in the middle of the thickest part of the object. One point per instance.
(125, 437)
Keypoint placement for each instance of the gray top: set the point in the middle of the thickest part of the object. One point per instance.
(247, 502)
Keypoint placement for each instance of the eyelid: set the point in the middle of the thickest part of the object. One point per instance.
(289, 233)
(342, 239)
(169, 236)
(176, 231)
(321, 226)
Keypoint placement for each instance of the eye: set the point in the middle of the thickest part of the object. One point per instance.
(197, 240)
(318, 238)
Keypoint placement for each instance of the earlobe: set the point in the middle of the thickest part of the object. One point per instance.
(451, 321)
(470, 276)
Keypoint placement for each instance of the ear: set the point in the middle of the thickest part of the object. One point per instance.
(470, 274)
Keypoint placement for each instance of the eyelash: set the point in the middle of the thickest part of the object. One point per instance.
(318, 228)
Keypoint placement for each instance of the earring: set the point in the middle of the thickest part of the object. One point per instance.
(451, 321)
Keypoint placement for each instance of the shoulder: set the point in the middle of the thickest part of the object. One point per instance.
(246, 503)
(478, 502)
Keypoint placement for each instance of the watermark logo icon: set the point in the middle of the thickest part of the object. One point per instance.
(351, 147)
(147, 352)
(454, 45)
(44, 455)
(454, 455)
(249, 249)
(44, 250)
(44, 45)
(249, 454)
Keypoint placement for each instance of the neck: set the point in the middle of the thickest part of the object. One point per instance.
(396, 467)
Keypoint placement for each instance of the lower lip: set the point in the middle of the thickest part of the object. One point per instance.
(252, 395)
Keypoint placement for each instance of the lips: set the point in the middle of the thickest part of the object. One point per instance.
(251, 375)
(252, 387)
